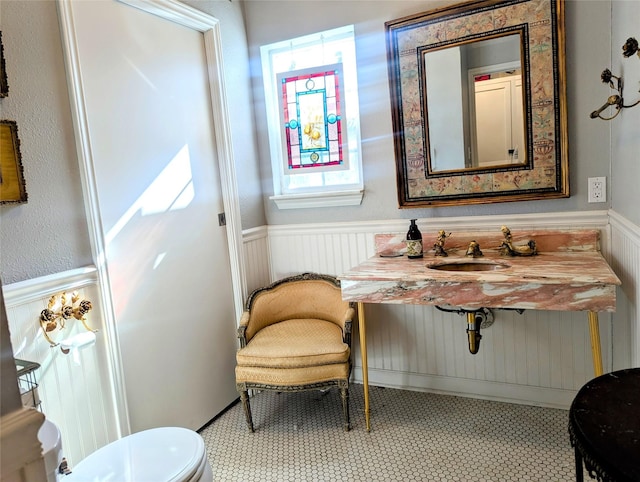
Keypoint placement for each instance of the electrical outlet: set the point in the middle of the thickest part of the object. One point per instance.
(597, 189)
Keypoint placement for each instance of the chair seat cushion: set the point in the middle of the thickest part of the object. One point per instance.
(296, 343)
(295, 378)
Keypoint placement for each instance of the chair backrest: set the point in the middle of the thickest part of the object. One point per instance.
(302, 296)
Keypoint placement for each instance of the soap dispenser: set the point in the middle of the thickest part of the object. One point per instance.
(414, 241)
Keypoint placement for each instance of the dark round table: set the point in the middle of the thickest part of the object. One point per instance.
(604, 427)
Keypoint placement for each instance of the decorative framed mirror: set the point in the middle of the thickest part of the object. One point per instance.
(478, 103)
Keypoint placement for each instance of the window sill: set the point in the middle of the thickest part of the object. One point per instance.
(318, 199)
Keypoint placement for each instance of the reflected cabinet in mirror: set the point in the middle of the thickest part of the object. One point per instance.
(478, 103)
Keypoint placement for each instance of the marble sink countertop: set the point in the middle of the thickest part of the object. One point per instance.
(567, 274)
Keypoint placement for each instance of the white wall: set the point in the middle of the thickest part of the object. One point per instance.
(625, 174)
(49, 233)
(588, 31)
(625, 134)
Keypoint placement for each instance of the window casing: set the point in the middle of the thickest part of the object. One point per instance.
(318, 54)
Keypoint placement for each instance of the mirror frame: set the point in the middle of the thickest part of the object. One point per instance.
(545, 173)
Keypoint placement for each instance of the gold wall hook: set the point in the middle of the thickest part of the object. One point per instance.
(612, 100)
(628, 49)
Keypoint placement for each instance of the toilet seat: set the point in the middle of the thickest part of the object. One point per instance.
(171, 454)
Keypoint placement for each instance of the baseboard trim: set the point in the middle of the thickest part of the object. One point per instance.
(465, 387)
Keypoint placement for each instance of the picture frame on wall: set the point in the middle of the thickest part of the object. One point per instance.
(4, 85)
(12, 185)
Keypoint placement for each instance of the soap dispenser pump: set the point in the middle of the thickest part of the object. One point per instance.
(414, 241)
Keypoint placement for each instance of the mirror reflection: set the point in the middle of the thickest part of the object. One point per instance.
(474, 102)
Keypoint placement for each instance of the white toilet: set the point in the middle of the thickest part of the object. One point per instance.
(166, 454)
(49, 437)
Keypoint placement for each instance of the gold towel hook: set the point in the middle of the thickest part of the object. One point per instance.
(629, 48)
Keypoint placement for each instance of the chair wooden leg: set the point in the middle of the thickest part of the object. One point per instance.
(344, 395)
(244, 396)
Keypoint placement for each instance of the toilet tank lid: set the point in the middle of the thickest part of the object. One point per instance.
(170, 454)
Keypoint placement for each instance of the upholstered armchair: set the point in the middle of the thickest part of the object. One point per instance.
(295, 334)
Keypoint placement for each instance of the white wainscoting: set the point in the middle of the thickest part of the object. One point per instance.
(538, 357)
(76, 396)
(625, 261)
(256, 253)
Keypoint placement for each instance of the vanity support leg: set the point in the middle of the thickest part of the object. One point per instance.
(365, 369)
(594, 331)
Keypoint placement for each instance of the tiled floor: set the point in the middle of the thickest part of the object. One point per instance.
(415, 437)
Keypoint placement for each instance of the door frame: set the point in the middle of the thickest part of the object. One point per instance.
(210, 28)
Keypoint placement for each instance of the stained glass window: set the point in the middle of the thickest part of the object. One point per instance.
(311, 104)
(311, 84)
